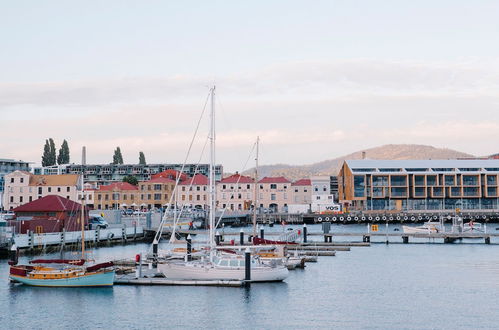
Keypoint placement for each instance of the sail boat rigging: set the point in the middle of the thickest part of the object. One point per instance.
(219, 266)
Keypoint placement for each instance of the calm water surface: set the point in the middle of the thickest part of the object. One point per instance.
(416, 286)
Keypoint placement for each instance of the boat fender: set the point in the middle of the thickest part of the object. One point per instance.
(341, 218)
(334, 219)
(420, 218)
(363, 218)
(349, 218)
(356, 218)
(327, 219)
(377, 218)
(370, 218)
(398, 217)
(319, 219)
(406, 217)
(384, 218)
(413, 218)
(390, 218)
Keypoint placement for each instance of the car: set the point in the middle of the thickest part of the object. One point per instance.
(97, 222)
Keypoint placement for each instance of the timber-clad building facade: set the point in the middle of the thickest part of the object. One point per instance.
(406, 185)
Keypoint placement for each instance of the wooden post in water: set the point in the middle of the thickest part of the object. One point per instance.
(241, 237)
(304, 233)
(262, 233)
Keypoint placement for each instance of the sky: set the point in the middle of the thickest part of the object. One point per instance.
(314, 79)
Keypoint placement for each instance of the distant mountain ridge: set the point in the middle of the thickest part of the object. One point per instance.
(332, 166)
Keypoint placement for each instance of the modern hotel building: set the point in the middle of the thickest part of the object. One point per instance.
(406, 185)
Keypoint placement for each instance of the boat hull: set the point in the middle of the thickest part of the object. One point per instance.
(209, 272)
(87, 280)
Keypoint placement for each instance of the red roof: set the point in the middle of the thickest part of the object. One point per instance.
(169, 174)
(49, 203)
(119, 186)
(198, 179)
(302, 182)
(274, 179)
(161, 180)
(235, 177)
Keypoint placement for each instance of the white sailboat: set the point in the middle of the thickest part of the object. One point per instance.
(219, 266)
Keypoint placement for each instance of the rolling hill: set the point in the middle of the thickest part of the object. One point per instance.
(332, 166)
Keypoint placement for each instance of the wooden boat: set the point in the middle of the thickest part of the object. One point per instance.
(71, 274)
(62, 272)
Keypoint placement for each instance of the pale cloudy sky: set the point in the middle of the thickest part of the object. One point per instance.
(315, 79)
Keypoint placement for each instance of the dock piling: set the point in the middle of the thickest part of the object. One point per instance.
(247, 267)
(304, 233)
(189, 247)
(262, 233)
(155, 253)
(241, 237)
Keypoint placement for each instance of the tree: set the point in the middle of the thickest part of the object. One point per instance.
(53, 157)
(63, 157)
(142, 158)
(131, 179)
(117, 157)
(46, 154)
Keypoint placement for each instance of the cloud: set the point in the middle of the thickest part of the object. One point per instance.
(303, 111)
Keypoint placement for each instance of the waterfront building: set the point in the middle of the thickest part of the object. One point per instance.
(154, 193)
(236, 193)
(193, 192)
(117, 195)
(301, 191)
(109, 173)
(8, 166)
(406, 185)
(334, 187)
(274, 193)
(48, 214)
(22, 187)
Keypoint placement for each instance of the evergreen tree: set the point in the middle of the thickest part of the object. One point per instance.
(142, 158)
(117, 157)
(46, 154)
(52, 157)
(63, 157)
(131, 179)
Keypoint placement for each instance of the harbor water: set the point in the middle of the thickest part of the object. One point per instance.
(395, 286)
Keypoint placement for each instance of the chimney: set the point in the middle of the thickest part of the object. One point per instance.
(363, 155)
(84, 155)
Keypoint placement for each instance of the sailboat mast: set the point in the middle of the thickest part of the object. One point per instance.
(82, 216)
(212, 173)
(255, 200)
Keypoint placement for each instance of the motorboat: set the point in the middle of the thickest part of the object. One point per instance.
(430, 227)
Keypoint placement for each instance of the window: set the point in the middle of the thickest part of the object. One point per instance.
(49, 189)
(261, 186)
(12, 199)
(68, 189)
(39, 190)
(148, 196)
(58, 189)
(431, 180)
(157, 197)
(359, 182)
(223, 186)
(419, 180)
(116, 196)
(247, 186)
(198, 188)
(198, 197)
(450, 180)
(273, 186)
(99, 197)
(21, 180)
(272, 197)
(11, 180)
(183, 188)
(67, 197)
(124, 197)
(30, 198)
(157, 187)
(285, 187)
(316, 189)
(106, 197)
(398, 180)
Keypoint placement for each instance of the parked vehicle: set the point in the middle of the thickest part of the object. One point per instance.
(97, 222)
